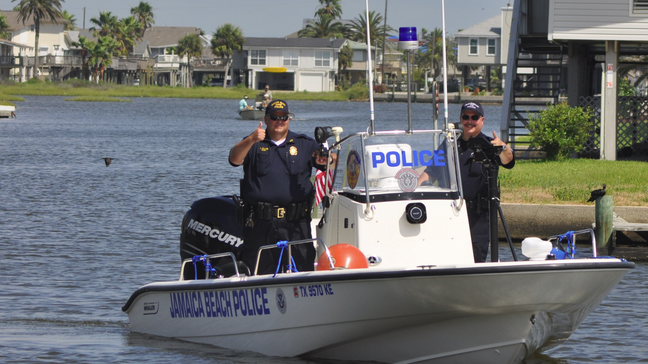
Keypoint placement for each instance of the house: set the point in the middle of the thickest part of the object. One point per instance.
(296, 64)
(574, 48)
(481, 46)
(358, 69)
(51, 49)
(9, 63)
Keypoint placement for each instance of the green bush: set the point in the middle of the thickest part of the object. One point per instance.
(560, 130)
(358, 91)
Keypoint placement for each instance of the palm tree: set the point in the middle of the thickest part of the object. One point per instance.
(85, 45)
(226, 40)
(126, 33)
(191, 46)
(344, 59)
(4, 26)
(144, 15)
(357, 29)
(39, 10)
(71, 21)
(101, 56)
(325, 26)
(330, 7)
(105, 24)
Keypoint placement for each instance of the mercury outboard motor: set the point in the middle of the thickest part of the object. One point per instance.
(211, 227)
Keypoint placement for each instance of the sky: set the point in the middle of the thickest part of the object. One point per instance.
(278, 18)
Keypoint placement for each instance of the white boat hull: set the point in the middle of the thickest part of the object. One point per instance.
(502, 313)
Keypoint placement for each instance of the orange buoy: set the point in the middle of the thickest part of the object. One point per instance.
(344, 256)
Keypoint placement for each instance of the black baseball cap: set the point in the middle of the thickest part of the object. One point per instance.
(277, 106)
(473, 106)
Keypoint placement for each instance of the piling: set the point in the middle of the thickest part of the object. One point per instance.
(604, 213)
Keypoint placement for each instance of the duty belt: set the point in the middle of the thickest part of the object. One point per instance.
(295, 211)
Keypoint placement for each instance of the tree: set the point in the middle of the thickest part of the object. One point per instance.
(4, 26)
(39, 10)
(101, 56)
(127, 32)
(71, 21)
(344, 59)
(357, 29)
(144, 15)
(85, 45)
(105, 24)
(191, 46)
(226, 40)
(330, 7)
(325, 26)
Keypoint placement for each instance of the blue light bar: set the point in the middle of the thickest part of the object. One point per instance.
(407, 39)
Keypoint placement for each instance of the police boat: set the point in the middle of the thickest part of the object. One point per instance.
(395, 279)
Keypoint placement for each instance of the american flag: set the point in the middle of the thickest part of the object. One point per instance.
(320, 177)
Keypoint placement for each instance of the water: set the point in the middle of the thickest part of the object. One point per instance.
(78, 238)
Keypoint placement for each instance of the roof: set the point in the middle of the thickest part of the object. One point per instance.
(335, 43)
(14, 44)
(489, 28)
(159, 37)
(15, 24)
(358, 45)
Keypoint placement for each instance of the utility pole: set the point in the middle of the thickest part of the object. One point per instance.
(84, 17)
(382, 65)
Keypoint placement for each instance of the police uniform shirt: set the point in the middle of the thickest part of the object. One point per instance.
(473, 174)
(279, 174)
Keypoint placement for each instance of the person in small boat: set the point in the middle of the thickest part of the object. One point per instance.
(243, 105)
(474, 173)
(264, 103)
(276, 190)
(267, 92)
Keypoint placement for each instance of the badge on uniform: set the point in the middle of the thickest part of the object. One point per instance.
(293, 150)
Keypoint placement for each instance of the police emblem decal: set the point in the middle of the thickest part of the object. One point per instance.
(293, 150)
(281, 301)
(407, 179)
(353, 168)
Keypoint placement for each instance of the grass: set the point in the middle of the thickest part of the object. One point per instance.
(570, 182)
(98, 99)
(84, 88)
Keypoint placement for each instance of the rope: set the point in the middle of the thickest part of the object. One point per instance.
(207, 263)
(571, 244)
(283, 244)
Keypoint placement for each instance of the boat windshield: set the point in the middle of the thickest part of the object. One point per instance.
(396, 165)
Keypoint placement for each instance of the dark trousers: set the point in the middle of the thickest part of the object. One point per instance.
(269, 232)
(480, 233)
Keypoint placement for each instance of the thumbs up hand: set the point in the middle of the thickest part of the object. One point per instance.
(258, 134)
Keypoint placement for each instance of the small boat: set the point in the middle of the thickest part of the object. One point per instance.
(252, 114)
(7, 111)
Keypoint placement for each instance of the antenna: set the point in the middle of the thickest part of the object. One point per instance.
(445, 68)
(372, 128)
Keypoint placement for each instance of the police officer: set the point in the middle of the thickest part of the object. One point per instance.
(474, 175)
(277, 190)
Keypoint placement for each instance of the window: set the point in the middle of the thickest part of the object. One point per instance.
(322, 58)
(358, 56)
(638, 7)
(291, 58)
(473, 48)
(258, 57)
(492, 47)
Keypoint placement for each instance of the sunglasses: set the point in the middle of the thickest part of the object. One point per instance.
(277, 117)
(468, 117)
